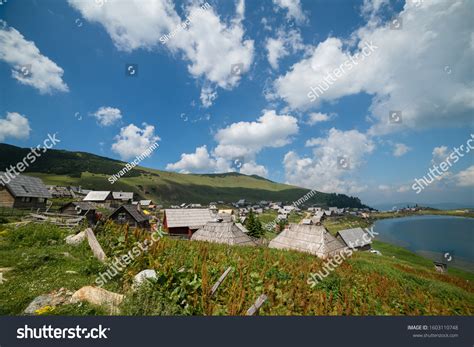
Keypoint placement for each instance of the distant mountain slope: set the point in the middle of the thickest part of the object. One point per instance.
(91, 171)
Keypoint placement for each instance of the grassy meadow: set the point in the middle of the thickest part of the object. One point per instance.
(397, 283)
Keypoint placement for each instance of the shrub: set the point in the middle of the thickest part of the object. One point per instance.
(35, 235)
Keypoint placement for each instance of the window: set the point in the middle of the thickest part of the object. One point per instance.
(122, 217)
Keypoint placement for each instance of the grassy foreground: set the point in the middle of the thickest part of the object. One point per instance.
(396, 283)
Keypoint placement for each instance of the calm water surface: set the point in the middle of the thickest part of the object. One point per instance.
(432, 237)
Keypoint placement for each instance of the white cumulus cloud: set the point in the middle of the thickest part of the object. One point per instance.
(294, 9)
(29, 66)
(281, 46)
(243, 140)
(400, 149)
(199, 162)
(133, 141)
(334, 158)
(14, 125)
(252, 168)
(317, 117)
(465, 178)
(107, 115)
(424, 69)
(209, 44)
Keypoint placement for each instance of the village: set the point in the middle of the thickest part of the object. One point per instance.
(298, 227)
(141, 243)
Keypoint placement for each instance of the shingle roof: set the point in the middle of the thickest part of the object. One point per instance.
(97, 196)
(223, 232)
(145, 202)
(312, 239)
(354, 237)
(122, 195)
(193, 218)
(132, 210)
(26, 186)
(84, 205)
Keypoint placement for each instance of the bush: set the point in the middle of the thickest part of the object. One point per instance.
(148, 301)
(35, 235)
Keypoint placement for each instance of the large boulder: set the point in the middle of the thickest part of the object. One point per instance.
(142, 277)
(100, 297)
(53, 299)
(74, 240)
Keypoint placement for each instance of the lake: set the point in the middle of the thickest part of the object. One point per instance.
(442, 238)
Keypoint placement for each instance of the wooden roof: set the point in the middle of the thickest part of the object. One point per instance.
(314, 239)
(137, 215)
(354, 237)
(26, 186)
(192, 218)
(122, 195)
(223, 232)
(97, 196)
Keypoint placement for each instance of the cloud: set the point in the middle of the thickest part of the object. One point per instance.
(252, 168)
(294, 10)
(210, 45)
(465, 178)
(282, 45)
(134, 141)
(107, 115)
(14, 125)
(318, 117)
(243, 140)
(208, 95)
(29, 66)
(400, 149)
(443, 50)
(238, 144)
(334, 158)
(200, 162)
(439, 154)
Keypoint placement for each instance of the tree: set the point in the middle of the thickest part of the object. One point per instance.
(253, 225)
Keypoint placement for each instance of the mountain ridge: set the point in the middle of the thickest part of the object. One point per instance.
(62, 167)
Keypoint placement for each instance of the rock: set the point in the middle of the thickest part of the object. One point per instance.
(100, 297)
(142, 276)
(71, 272)
(75, 240)
(53, 299)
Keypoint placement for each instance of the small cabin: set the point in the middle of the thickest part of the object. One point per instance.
(355, 238)
(80, 208)
(185, 222)
(129, 214)
(23, 192)
(99, 198)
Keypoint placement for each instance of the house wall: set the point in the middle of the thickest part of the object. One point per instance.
(71, 210)
(6, 199)
(128, 219)
(32, 203)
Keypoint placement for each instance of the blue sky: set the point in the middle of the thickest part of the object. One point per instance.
(259, 120)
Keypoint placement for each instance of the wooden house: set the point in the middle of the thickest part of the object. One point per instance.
(99, 198)
(23, 192)
(228, 233)
(311, 239)
(80, 208)
(355, 238)
(122, 197)
(186, 221)
(129, 214)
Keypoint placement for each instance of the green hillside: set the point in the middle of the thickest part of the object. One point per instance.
(397, 282)
(90, 171)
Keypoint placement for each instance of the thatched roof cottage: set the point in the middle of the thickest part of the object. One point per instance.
(313, 239)
(228, 233)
